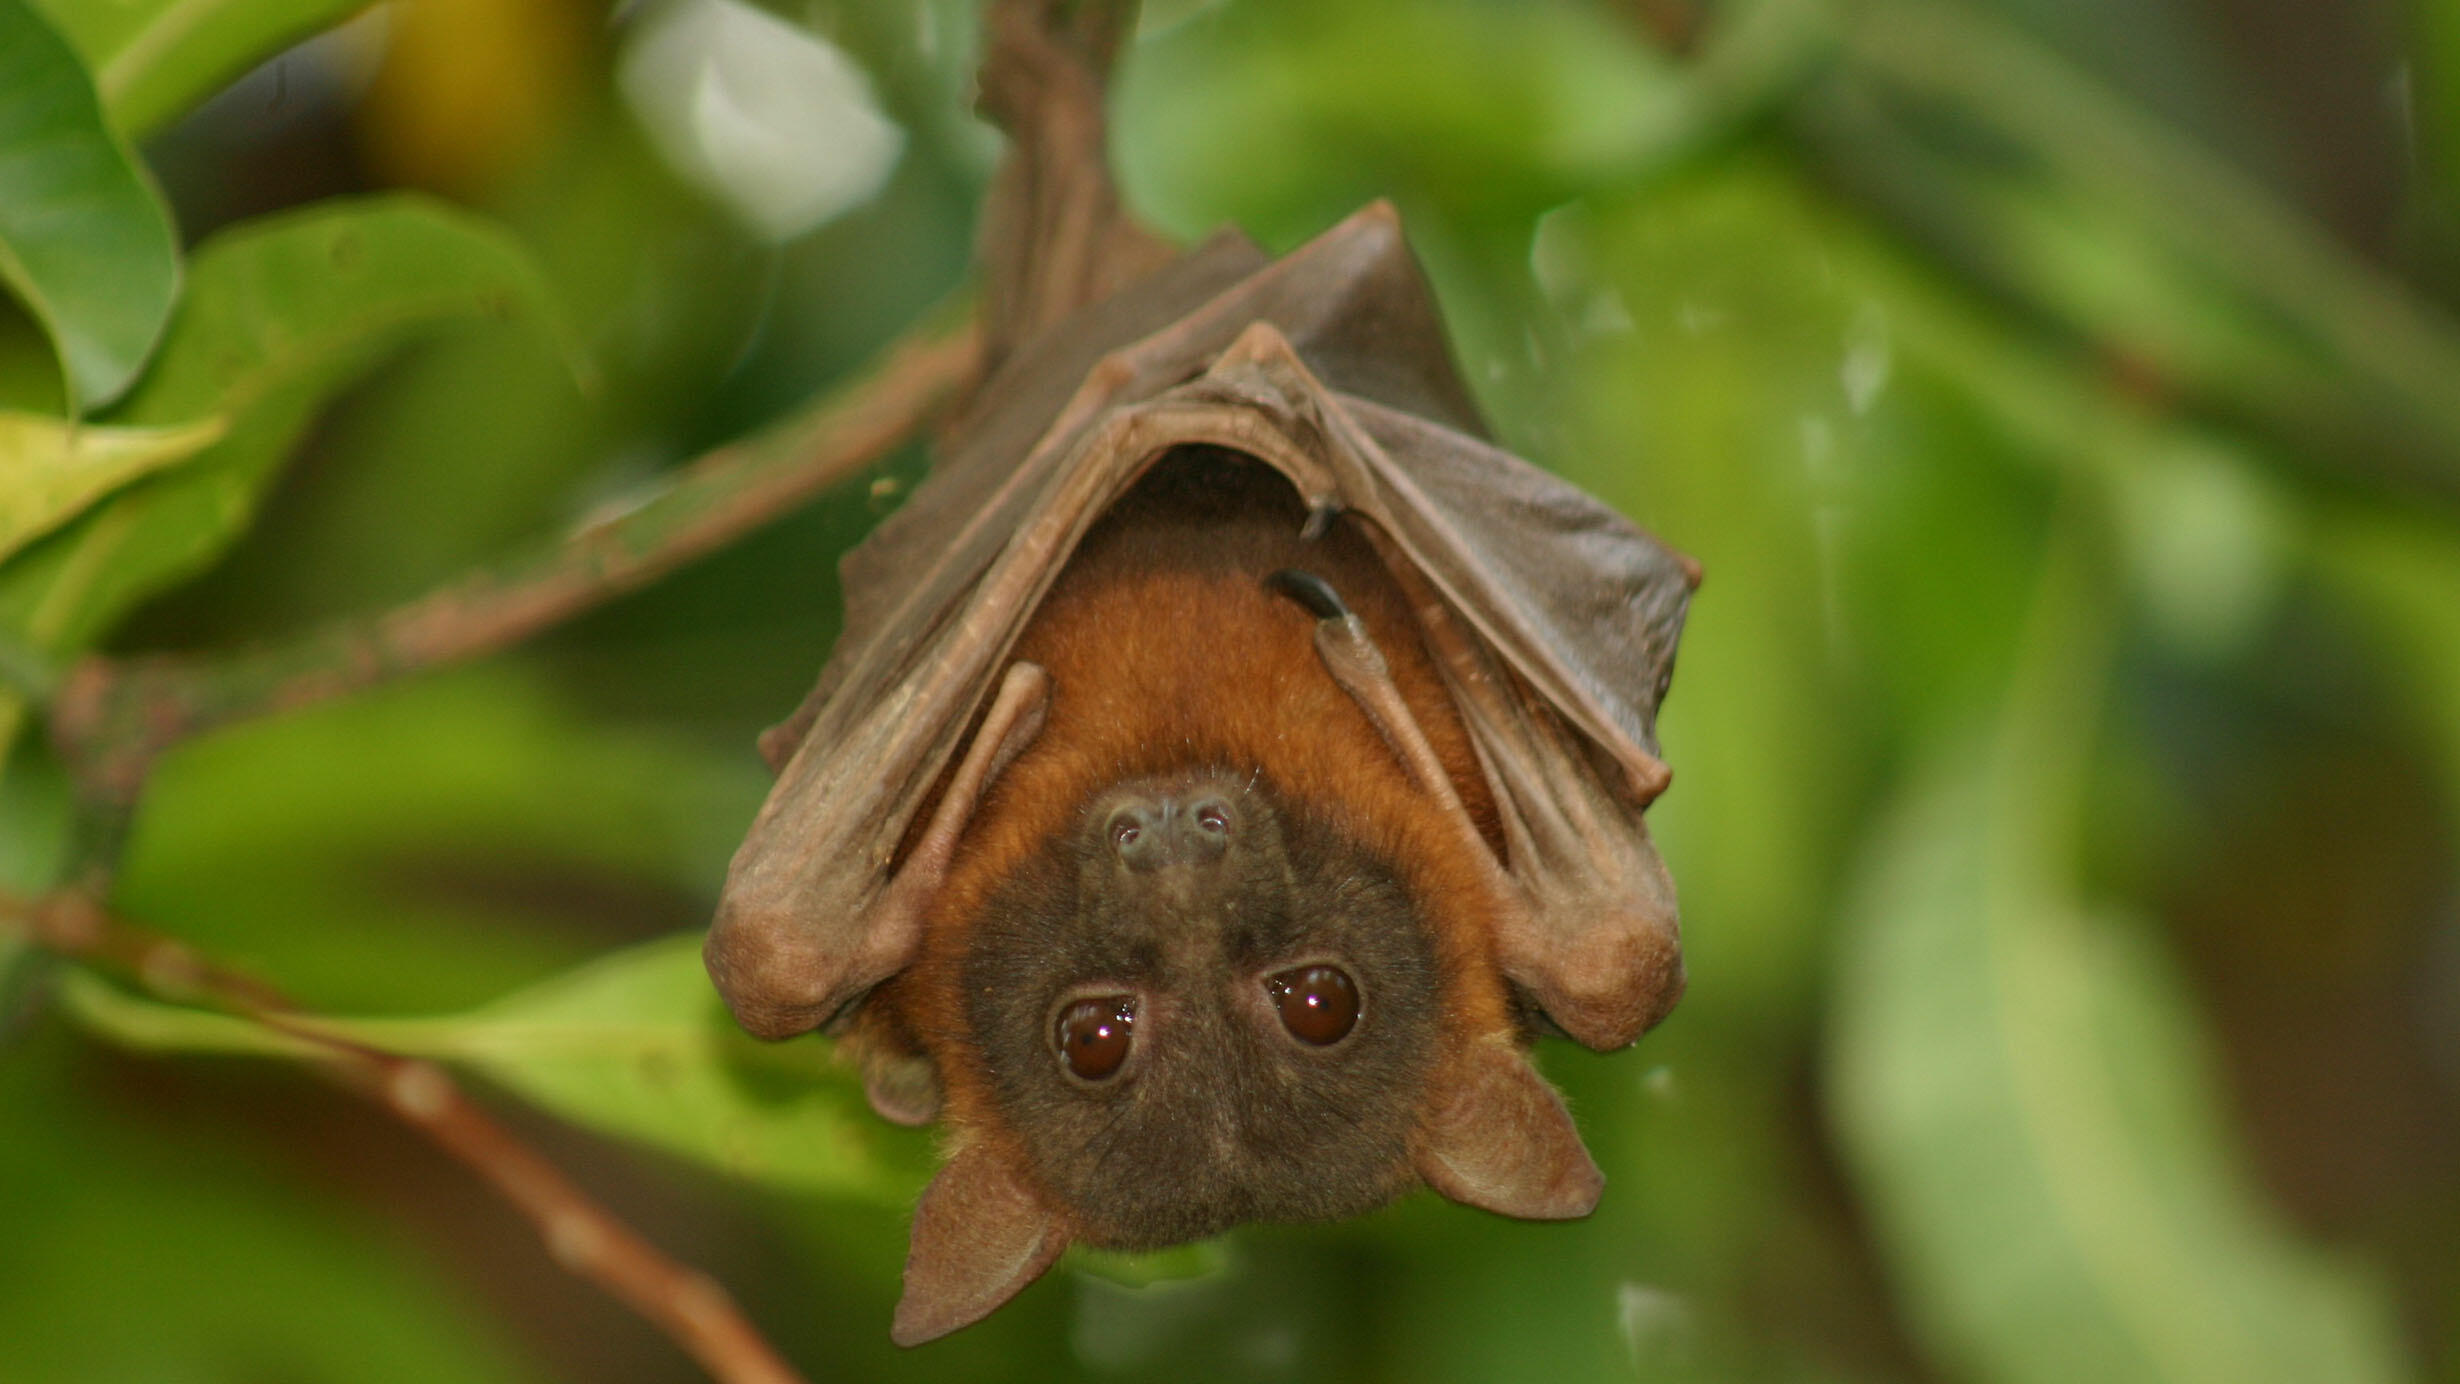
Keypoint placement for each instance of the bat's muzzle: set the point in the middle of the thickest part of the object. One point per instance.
(1154, 830)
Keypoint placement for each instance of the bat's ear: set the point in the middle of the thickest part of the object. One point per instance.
(901, 1083)
(1499, 1139)
(903, 1088)
(980, 1235)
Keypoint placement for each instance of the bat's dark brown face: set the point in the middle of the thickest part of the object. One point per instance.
(1207, 1008)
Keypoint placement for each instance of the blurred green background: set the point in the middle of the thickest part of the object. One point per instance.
(2063, 398)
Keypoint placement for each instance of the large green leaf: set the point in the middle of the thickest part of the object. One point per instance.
(638, 1044)
(280, 313)
(2022, 1092)
(154, 59)
(85, 243)
(635, 1044)
(52, 468)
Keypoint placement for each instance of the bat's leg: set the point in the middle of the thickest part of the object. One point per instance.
(1358, 667)
(1013, 721)
(1350, 655)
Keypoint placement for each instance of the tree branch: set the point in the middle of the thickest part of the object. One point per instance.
(1053, 236)
(584, 1237)
(112, 717)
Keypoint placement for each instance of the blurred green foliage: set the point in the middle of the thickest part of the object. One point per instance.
(2063, 400)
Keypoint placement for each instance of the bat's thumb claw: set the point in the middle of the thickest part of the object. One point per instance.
(763, 974)
(1606, 986)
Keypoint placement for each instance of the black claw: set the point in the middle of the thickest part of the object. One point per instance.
(1311, 591)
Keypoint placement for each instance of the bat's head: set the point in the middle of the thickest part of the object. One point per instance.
(1203, 1008)
(1205, 1003)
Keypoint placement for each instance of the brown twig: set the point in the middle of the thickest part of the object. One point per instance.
(581, 1235)
(113, 717)
(1054, 236)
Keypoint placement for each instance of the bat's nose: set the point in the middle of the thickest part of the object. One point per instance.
(1153, 830)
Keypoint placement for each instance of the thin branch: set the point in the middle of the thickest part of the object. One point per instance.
(114, 716)
(1053, 235)
(584, 1237)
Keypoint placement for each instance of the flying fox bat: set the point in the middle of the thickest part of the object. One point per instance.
(1230, 760)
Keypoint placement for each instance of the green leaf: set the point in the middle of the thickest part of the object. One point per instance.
(1499, 111)
(638, 1044)
(51, 469)
(151, 1026)
(635, 1044)
(153, 59)
(433, 844)
(2023, 1094)
(439, 859)
(280, 313)
(85, 243)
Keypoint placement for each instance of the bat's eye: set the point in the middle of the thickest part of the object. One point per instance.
(1318, 1004)
(1213, 818)
(1094, 1035)
(1124, 830)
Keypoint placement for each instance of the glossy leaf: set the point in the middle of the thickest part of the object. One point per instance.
(153, 59)
(454, 849)
(51, 469)
(280, 313)
(635, 1044)
(145, 1025)
(85, 243)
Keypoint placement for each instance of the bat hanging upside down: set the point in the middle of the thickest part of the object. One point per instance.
(1229, 764)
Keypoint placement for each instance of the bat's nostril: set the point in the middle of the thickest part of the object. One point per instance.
(1131, 833)
(1150, 833)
